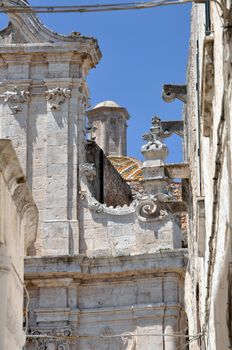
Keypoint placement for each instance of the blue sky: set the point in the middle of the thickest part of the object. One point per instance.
(142, 50)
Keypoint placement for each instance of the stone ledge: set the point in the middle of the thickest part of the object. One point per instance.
(82, 268)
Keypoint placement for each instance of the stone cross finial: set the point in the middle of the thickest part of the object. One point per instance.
(155, 149)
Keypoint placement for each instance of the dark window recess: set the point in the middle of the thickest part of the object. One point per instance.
(207, 18)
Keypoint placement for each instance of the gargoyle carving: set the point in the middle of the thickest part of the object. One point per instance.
(16, 98)
(57, 96)
(170, 92)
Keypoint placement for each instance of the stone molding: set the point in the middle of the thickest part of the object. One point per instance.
(32, 29)
(16, 183)
(80, 267)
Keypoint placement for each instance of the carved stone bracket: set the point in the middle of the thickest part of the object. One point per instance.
(57, 96)
(16, 98)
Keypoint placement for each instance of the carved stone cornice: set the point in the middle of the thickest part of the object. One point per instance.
(33, 31)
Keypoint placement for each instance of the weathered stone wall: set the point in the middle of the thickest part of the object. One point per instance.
(107, 186)
(18, 225)
(208, 148)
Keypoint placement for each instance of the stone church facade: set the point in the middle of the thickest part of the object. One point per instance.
(118, 254)
(106, 270)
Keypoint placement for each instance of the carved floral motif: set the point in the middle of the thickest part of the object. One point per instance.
(16, 98)
(57, 96)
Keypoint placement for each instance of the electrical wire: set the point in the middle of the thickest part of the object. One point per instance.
(91, 8)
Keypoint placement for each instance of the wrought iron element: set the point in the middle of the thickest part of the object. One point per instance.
(16, 98)
(56, 97)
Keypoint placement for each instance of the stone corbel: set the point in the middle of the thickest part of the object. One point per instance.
(16, 98)
(171, 92)
(56, 97)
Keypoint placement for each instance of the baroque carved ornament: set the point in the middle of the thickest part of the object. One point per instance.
(51, 339)
(16, 98)
(56, 97)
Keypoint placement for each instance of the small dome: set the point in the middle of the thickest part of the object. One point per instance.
(107, 104)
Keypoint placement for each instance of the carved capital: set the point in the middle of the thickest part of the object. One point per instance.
(56, 97)
(16, 98)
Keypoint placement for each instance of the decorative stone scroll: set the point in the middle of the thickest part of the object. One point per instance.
(16, 98)
(56, 97)
(149, 208)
